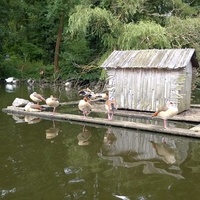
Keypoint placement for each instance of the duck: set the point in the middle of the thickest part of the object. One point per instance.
(165, 152)
(31, 107)
(30, 81)
(85, 92)
(110, 107)
(68, 84)
(37, 97)
(11, 80)
(53, 102)
(84, 106)
(167, 111)
(103, 96)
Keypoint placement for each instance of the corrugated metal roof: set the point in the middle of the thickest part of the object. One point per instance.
(151, 58)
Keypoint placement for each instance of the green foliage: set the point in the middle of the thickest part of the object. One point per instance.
(92, 30)
(98, 21)
(184, 33)
(10, 67)
(31, 51)
(143, 35)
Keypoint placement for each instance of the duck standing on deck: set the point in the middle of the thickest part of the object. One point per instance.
(52, 102)
(168, 111)
(85, 106)
(110, 107)
(37, 97)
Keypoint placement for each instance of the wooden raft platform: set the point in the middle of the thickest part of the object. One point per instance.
(106, 122)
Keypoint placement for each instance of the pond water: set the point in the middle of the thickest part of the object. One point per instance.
(55, 160)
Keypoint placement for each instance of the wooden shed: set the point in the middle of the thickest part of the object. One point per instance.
(144, 79)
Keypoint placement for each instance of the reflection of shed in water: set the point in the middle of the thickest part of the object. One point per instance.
(133, 148)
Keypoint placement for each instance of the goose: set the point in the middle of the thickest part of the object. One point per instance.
(85, 92)
(52, 102)
(103, 96)
(85, 106)
(31, 107)
(37, 97)
(110, 107)
(168, 111)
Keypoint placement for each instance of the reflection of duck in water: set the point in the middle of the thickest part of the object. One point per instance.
(109, 137)
(83, 137)
(10, 88)
(165, 152)
(52, 132)
(31, 119)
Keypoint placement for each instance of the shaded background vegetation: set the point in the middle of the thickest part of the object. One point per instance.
(69, 39)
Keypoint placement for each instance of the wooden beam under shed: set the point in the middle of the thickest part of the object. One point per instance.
(105, 122)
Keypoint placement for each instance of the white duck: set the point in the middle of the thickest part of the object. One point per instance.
(30, 81)
(110, 107)
(52, 102)
(37, 97)
(31, 107)
(85, 106)
(11, 80)
(168, 111)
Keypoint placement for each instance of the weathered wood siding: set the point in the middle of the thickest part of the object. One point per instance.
(142, 89)
(145, 79)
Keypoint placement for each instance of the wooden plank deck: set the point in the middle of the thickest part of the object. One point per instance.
(117, 123)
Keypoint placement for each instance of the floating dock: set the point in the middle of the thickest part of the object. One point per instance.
(191, 116)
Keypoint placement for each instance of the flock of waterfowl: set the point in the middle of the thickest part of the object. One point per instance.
(167, 111)
(84, 105)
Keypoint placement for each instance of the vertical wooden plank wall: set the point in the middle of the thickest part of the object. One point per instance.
(142, 89)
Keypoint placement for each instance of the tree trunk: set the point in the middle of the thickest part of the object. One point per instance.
(58, 41)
